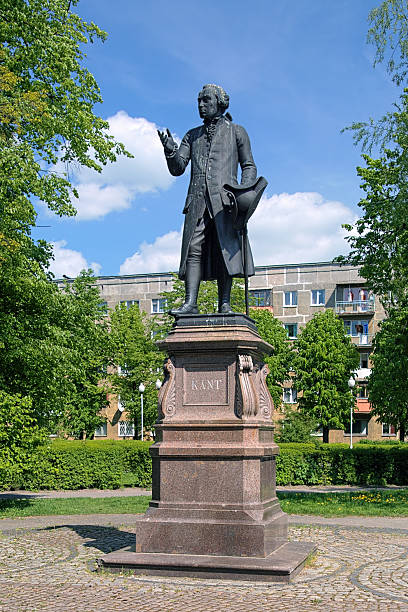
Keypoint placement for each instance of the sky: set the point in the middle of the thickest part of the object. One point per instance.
(296, 71)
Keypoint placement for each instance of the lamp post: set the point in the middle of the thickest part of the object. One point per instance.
(141, 389)
(351, 384)
(158, 384)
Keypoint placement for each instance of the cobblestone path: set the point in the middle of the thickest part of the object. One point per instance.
(53, 569)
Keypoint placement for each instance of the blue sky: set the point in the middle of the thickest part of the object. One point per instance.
(296, 71)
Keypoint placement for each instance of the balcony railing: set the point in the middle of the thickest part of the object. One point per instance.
(356, 307)
(362, 339)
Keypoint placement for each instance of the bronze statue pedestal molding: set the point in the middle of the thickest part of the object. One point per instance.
(214, 511)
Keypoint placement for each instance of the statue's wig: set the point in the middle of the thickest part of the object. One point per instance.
(221, 94)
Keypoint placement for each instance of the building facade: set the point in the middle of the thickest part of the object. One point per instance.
(294, 293)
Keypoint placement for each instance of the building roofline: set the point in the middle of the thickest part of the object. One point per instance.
(266, 267)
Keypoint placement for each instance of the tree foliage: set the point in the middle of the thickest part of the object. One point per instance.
(388, 382)
(87, 350)
(296, 426)
(52, 348)
(280, 362)
(20, 435)
(46, 103)
(139, 360)
(379, 239)
(51, 345)
(325, 358)
(388, 33)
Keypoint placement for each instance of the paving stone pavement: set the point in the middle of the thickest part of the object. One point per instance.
(51, 567)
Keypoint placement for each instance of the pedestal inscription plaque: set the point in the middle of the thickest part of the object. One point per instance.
(214, 510)
(205, 385)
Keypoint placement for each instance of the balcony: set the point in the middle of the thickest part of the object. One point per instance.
(362, 339)
(362, 373)
(356, 307)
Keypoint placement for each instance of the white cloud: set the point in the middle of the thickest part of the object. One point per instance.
(69, 262)
(96, 201)
(163, 255)
(298, 227)
(285, 228)
(114, 188)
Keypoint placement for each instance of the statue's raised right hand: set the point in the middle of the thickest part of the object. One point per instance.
(167, 141)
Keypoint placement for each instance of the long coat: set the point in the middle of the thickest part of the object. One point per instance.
(214, 164)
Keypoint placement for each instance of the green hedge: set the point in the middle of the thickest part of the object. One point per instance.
(101, 464)
(309, 464)
(114, 463)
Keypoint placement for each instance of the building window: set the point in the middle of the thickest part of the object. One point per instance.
(159, 305)
(317, 432)
(359, 296)
(364, 360)
(123, 371)
(126, 429)
(291, 328)
(260, 297)
(290, 298)
(357, 329)
(289, 396)
(362, 392)
(121, 406)
(101, 431)
(104, 308)
(388, 430)
(360, 427)
(129, 303)
(318, 297)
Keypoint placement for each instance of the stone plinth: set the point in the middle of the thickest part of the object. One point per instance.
(214, 508)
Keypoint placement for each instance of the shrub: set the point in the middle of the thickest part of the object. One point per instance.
(69, 464)
(380, 442)
(338, 464)
(112, 463)
(296, 426)
(20, 436)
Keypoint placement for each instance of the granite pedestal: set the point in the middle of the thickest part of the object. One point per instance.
(214, 510)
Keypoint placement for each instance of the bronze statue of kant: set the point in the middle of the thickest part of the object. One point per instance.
(215, 245)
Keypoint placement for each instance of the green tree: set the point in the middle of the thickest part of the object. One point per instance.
(325, 357)
(139, 360)
(379, 239)
(388, 33)
(46, 123)
(53, 345)
(46, 103)
(379, 242)
(87, 349)
(388, 382)
(280, 362)
(296, 426)
(20, 435)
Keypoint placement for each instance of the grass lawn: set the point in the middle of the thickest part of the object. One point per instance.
(369, 503)
(363, 503)
(13, 508)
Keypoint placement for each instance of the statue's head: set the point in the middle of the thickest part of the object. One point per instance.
(213, 100)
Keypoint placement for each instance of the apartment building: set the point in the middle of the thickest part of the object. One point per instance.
(294, 293)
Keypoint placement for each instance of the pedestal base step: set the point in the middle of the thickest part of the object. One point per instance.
(280, 566)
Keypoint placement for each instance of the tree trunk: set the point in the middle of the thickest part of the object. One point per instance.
(402, 432)
(325, 434)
